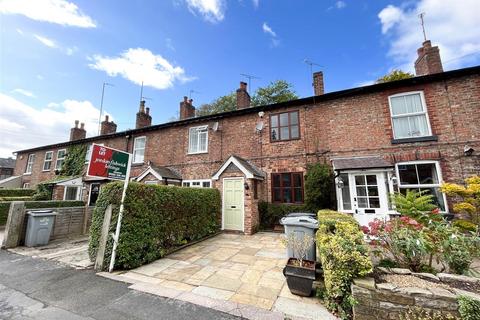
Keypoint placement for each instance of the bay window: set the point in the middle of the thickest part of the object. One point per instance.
(422, 176)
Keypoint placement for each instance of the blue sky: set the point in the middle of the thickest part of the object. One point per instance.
(55, 54)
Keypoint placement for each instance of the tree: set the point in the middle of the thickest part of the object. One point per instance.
(394, 76)
(277, 91)
(319, 187)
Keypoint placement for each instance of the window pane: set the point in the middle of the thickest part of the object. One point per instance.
(274, 134)
(71, 193)
(139, 143)
(274, 121)
(277, 195)
(276, 180)
(284, 133)
(408, 174)
(284, 119)
(298, 194)
(401, 127)
(346, 201)
(361, 191)
(371, 179)
(362, 202)
(286, 180)
(418, 126)
(193, 140)
(374, 202)
(398, 105)
(206, 184)
(203, 142)
(287, 195)
(437, 197)
(413, 103)
(372, 191)
(294, 131)
(48, 156)
(297, 180)
(294, 118)
(360, 180)
(427, 173)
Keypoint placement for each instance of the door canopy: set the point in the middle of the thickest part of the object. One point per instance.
(249, 170)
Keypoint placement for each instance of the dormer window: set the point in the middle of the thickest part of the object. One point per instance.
(284, 126)
(409, 115)
(198, 140)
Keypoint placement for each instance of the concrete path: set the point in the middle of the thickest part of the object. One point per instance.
(39, 289)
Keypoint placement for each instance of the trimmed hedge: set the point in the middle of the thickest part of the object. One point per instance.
(16, 192)
(271, 213)
(26, 198)
(156, 220)
(5, 206)
(344, 256)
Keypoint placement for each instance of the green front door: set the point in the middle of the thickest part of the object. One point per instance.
(233, 204)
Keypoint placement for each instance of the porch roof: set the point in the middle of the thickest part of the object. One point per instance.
(367, 162)
(249, 169)
(160, 173)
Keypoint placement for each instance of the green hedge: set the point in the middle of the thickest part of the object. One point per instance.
(16, 192)
(344, 256)
(156, 220)
(271, 213)
(25, 198)
(5, 206)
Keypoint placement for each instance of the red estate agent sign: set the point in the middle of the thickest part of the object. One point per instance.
(111, 164)
(108, 163)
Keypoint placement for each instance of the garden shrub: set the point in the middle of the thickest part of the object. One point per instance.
(25, 198)
(271, 213)
(344, 256)
(319, 187)
(16, 192)
(156, 220)
(74, 163)
(465, 226)
(468, 308)
(5, 206)
(417, 313)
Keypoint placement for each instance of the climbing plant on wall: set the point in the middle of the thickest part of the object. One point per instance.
(74, 161)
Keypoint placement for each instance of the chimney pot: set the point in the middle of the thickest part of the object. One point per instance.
(187, 110)
(82, 126)
(190, 101)
(185, 98)
(143, 119)
(147, 110)
(106, 118)
(77, 133)
(76, 123)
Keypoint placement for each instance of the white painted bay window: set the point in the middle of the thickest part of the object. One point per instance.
(139, 149)
(422, 176)
(409, 115)
(198, 140)
(72, 193)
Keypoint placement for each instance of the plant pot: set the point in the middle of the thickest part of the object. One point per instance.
(300, 278)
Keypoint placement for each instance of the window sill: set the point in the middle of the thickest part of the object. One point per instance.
(46, 170)
(286, 140)
(416, 139)
(137, 164)
(27, 174)
(195, 153)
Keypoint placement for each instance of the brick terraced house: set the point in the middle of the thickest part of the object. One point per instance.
(407, 134)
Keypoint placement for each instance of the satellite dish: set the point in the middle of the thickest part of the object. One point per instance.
(259, 126)
(215, 126)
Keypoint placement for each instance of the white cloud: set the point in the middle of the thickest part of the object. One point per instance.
(54, 11)
(139, 65)
(450, 24)
(70, 51)
(340, 4)
(23, 126)
(24, 92)
(46, 41)
(266, 28)
(211, 10)
(20, 31)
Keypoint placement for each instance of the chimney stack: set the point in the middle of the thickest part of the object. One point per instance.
(318, 87)
(428, 60)
(144, 119)
(243, 98)
(107, 127)
(187, 110)
(77, 133)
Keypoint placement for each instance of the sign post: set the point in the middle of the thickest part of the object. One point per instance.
(115, 165)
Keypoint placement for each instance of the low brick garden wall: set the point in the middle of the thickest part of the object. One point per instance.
(387, 301)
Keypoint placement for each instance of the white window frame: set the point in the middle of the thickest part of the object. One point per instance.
(30, 162)
(199, 181)
(77, 195)
(26, 185)
(424, 112)
(135, 149)
(205, 127)
(61, 159)
(418, 186)
(45, 160)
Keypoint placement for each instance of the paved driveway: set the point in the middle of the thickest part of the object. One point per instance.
(230, 271)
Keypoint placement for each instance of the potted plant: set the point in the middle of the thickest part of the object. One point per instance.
(300, 273)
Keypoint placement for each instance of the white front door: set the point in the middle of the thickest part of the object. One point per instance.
(369, 196)
(233, 204)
